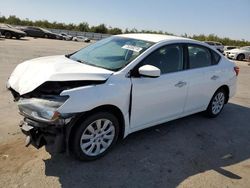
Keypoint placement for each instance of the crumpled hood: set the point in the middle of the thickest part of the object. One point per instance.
(28, 75)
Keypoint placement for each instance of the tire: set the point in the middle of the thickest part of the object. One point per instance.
(87, 138)
(240, 57)
(46, 36)
(17, 37)
(8, 35)
(216, 104)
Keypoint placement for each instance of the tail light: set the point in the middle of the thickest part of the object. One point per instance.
(237, 70)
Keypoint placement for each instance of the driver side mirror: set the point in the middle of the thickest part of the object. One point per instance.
(149, 71)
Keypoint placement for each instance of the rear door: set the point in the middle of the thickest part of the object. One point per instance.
(204, 77)
(157, 99)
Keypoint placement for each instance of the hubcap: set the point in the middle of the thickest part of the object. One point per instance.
(218, 103)
(97, 137)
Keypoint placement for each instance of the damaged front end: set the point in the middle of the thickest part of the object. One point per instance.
(43, 124)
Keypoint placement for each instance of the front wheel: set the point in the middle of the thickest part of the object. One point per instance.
(216, 104)
(95, 136)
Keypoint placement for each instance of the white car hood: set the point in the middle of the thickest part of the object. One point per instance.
(28, 75)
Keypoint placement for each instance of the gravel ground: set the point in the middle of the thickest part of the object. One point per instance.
(189, 152)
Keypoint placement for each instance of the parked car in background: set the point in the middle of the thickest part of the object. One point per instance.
(226, 48)
(238, 53)
(40, 33)
(81, 39)
(116, 86)
(9, 31)
(66, 36)
(216, 45)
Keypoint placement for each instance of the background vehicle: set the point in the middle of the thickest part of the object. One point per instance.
(9, 32)
(89, 99)
(66, 36)
(81, 39)
(239, 53)
(40, 32)
(216, 45)
(226, 48)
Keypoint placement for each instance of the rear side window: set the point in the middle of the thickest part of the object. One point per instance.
(199, 56)
(168, 59)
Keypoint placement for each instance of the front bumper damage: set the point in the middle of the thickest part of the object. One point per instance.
(43, 124)
(39, 134)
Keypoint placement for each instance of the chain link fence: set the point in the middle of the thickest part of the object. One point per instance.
(92, 36)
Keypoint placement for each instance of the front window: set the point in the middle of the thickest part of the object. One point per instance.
(112, 53)
(168, 59)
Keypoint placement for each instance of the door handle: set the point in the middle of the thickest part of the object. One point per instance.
(214, 77)
(180, 84)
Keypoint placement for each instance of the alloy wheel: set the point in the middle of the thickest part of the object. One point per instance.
(97, 137)
(218, 103)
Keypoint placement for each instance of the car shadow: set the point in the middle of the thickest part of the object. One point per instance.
(165, 155)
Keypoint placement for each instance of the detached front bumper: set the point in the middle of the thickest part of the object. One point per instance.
(43, 134)
(42, 124)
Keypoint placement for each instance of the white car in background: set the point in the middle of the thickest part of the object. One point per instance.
(66, 36)
(239, 53)
(116, 86)
(216, 45)
(81, 39)
(226, 48)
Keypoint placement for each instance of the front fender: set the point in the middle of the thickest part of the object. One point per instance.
(86, 98)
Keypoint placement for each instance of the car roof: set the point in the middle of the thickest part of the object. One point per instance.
(153, 37)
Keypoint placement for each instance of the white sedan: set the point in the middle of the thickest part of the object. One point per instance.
(116, 86)
(81, 39)
(238, 53)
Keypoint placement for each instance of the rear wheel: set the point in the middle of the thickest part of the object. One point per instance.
(8, 35)
(95, 136)
(216, 104)
(240, 57)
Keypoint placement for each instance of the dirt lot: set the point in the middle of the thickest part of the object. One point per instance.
(189, 152)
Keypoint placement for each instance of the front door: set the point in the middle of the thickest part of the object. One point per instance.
(155, 100)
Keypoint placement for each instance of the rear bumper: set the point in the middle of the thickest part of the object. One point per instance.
(42, 134)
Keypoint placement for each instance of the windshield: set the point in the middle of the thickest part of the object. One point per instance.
(112, 53)
(45, 30)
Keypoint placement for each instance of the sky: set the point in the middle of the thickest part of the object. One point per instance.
(225, 18)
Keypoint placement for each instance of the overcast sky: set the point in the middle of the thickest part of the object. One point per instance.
(225, 18)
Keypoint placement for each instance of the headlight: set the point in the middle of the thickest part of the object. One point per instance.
(41, 109)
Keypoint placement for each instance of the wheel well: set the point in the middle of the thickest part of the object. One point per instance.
(241, 54)
(226, 89)
(106, 108)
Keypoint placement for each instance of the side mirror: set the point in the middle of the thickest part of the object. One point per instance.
(149, 71)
